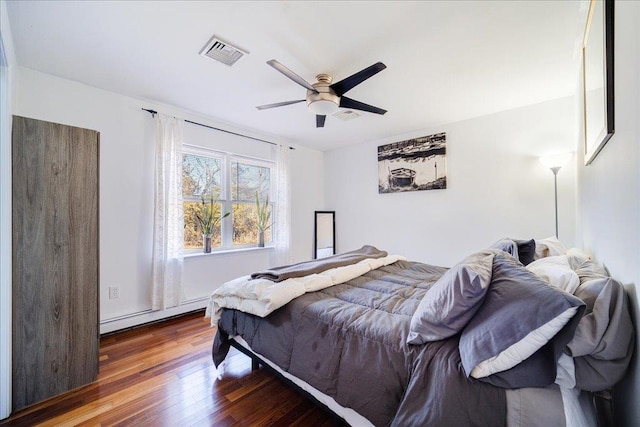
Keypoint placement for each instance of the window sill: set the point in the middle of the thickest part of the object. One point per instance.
(227, 251)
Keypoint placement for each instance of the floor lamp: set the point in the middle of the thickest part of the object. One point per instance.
(555, 163)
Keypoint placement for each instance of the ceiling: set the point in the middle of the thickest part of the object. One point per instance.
(447, 60)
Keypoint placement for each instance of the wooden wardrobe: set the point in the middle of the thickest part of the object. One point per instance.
(55, 259)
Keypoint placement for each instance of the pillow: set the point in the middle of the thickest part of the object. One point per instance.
(584, 267)
(550, 246)
(590, 270)
(452, 300)
(526, 250)
(603, 342)
(516, 337)
(556, 271)
(507, 245)
(576, 257)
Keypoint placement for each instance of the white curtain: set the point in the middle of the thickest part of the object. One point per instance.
(168, 224)
(283, 208)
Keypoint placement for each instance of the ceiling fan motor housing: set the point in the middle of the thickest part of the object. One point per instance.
(323, 97)
(324, 101)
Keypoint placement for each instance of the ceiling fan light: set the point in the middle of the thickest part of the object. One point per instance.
(323, 107)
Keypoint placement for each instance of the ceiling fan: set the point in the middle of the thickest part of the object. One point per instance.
(323, 97)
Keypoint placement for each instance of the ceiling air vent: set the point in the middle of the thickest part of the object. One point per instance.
(222, 51)
(346, 115)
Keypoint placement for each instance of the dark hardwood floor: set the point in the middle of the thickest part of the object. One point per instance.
(162, 375)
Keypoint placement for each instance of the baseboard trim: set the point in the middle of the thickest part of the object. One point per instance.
(190, 314)
(148, 316)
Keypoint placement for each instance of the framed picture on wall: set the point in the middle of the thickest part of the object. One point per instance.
(413, 165)
(597, 78)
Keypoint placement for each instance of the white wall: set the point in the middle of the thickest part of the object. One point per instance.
(305, 200)
(609, 193)
(126, 193)
(7, 67)
(496, 188)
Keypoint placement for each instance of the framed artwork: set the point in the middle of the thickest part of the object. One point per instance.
(413, 165)
(597, 78)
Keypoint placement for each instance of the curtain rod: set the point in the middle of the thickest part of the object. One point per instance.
(153, 113)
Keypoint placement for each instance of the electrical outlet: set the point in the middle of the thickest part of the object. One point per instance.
(114, 292)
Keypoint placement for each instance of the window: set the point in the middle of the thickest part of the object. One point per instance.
(248, 179)
(233, 182)
(201, 181)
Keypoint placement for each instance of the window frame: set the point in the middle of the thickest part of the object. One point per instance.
(252, 161)
(226, 197)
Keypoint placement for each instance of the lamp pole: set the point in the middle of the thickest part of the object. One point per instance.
(555, 162)
(555, 187)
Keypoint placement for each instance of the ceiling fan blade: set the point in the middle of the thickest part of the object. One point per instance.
(345, 85)
(279, 104)
(320, 121)
(293, 76)
(357, 105)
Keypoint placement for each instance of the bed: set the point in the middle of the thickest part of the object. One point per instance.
(381, 340)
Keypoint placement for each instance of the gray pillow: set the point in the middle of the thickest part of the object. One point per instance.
(453, 300)
(508, 245)
(603, 343)
(523, 250)
(526, 250)
(517, 303)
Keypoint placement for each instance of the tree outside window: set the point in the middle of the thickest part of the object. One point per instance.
(246, 181)
(201, 176)
(233, 181)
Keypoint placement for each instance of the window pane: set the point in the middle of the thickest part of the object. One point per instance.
(245, 231)
(192, 229)
(200, 175)
(247, 179)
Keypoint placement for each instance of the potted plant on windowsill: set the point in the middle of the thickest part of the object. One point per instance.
(263, 214)
(209, 220)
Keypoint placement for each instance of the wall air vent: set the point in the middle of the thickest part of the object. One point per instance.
(222, 51)
(346, 115)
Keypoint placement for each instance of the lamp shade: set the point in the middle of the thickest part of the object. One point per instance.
(323, 107)
(556, 160)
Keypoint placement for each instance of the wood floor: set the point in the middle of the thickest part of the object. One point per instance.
(162, 375)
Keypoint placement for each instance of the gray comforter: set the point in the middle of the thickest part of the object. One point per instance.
(349, 341)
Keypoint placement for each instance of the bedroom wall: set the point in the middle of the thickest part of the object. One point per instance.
(496, 188)
(609, 193)
(126, 193)
(7, 84)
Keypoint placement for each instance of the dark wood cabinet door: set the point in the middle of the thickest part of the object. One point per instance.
(55, 259)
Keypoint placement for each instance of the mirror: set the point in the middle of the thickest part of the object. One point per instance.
(324, 234)
(597, 68)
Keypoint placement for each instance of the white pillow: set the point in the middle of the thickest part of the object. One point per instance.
(576, 257)
(550, 246)
(557, 272)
